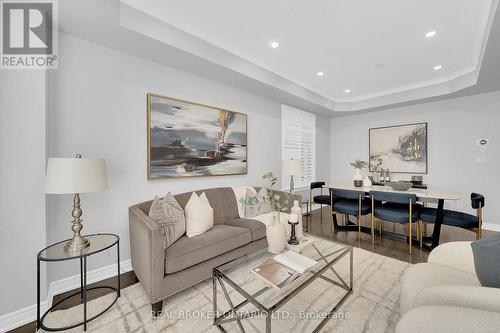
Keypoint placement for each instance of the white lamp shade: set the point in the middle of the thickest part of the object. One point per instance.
(292, 168)
(75, 175)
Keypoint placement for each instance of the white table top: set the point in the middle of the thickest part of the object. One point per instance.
(421, 193)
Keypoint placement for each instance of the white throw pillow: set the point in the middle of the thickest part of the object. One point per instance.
(199, 215)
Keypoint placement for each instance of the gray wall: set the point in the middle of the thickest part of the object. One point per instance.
(98, 109)
(22, 201)
(454, 125)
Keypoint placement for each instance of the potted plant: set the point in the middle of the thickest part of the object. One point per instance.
(357, 177)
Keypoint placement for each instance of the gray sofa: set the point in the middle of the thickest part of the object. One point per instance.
(189, 261)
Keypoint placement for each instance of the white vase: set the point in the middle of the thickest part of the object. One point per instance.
(276, 235)
(367, 182)
(297, 211)
(357, 178)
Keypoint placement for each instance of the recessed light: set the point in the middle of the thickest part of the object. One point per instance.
(275, 45)
(320, 73)
(430, 34)
(347, 91)
(438, 67)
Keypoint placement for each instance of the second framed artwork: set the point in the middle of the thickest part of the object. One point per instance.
(401, 148)
(187, 139)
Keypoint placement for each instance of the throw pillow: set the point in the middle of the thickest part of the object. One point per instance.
(256, 203)
(168, 214)
(487, 261)
(199, 215)
(240, 194)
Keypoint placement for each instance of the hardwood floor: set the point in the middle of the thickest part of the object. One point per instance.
(321, 226)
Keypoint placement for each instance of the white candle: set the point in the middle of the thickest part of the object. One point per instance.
(293, 218)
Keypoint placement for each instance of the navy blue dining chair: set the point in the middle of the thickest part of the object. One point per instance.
(350, 203)
(397, 208)
(459, 219)
(321, 199)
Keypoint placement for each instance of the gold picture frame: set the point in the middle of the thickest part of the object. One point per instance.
(188, 139)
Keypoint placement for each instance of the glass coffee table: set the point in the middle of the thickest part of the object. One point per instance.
(253, 291)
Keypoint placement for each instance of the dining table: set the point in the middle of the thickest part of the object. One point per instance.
(424, 195)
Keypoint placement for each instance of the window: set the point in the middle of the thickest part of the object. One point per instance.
(299, 142)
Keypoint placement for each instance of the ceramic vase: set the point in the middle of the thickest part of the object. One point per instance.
(367, 182)
(357, 178)
(276, 235)
(298, 211)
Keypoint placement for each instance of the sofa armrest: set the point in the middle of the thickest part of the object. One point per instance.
(457, 255)
(146, 247)
(473, 297)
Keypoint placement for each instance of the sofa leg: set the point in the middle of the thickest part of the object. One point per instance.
(156, 308)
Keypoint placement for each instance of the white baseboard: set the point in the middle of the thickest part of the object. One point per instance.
(26, 315)
(491, 226)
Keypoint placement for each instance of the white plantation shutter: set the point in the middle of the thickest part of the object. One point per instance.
(299, 142)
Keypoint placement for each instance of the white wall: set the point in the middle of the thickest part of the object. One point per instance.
(98, 109)
(22, 201)
(453, 127)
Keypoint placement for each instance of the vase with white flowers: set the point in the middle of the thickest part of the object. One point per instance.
(276, 231)
(358, 177)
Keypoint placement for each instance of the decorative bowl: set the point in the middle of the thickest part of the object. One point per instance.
(400, 186)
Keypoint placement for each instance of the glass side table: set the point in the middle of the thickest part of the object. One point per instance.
(56, 252)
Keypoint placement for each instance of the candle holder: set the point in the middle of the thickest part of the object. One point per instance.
(293, 221)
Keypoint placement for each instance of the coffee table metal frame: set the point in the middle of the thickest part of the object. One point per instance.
(232, 315)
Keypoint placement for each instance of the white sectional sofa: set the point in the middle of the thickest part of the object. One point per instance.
(444, 295)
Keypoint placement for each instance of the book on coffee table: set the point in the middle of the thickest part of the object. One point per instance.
(284, 268)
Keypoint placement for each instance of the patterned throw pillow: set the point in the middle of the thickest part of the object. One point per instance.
(169, 215)
(256, 204)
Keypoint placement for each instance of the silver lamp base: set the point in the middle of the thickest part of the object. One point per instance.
(77, 243)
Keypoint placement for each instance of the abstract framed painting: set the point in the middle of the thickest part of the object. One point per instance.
(401, 149)
(187, 139)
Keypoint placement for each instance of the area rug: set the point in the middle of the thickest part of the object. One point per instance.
(373, 306)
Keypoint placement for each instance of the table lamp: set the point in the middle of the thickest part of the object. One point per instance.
(74, 176)
(292, 168)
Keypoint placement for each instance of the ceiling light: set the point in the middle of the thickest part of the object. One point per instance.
(430, 34)
(347, 91)
(320, 73)
(438, 67)
(275, 44)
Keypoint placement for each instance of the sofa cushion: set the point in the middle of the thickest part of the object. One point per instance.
(229, 204)
(424, 275)
(186, 252)
(437, 319)
(257, 228)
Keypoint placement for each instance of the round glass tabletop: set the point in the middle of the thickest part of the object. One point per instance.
(98, 243)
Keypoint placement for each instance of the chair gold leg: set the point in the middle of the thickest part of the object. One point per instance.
(410, 239)
(421, 232)
(373, 220)
(380, 228)
(359, 228)
(410, 220)
(321, 213)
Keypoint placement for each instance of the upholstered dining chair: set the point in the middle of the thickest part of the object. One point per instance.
(350, 203)
(397, 208)
(459, 219)
(321, 199)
